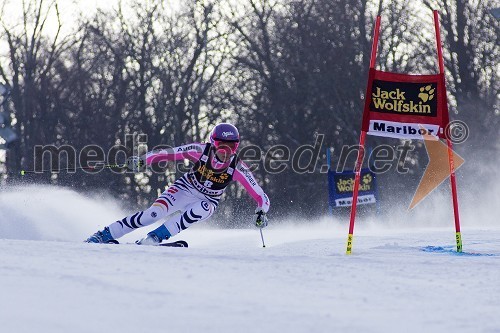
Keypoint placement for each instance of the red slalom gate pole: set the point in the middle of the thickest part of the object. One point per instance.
(359, 162)
(438, 41)
(376, 31)
(362, 137)
(453, 181)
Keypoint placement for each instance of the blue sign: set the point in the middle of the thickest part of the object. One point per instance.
(341, 186)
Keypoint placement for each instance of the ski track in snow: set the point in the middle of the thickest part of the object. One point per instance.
(397, 279)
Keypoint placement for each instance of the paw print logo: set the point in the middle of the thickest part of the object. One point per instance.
(426, 93)
(224, 176)
(367, 178)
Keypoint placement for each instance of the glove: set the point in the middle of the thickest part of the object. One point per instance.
(135, 163)
(261, 220)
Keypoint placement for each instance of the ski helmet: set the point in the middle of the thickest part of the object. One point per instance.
(225, 132)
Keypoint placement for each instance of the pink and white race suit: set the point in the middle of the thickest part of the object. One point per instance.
(196, 194)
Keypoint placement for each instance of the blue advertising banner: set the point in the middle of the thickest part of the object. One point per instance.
(341, 185)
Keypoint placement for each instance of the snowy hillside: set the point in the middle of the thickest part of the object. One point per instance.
(399, 278)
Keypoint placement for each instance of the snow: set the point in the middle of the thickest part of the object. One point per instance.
(401, 277)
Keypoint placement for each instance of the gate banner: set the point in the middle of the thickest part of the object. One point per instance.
(341, 185)
(405, 106)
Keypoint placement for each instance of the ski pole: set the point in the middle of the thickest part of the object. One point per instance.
(262, 237)
(96, 167)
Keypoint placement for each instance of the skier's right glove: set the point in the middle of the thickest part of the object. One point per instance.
(261, 220)
(135, 163)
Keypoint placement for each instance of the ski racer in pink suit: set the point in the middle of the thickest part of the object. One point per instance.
(196, 194)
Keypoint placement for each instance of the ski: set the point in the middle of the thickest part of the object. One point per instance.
(179, 243)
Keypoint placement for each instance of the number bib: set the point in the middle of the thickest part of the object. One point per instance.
(209, 180)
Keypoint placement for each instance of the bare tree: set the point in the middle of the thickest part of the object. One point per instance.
(29, 69)
(472, 51)
(158, 73)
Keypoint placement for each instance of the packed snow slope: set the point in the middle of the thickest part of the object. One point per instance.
(402, 276)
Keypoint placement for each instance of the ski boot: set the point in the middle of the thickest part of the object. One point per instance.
(102, 237)
(155, 237)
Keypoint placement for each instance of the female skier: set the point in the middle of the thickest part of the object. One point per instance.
(196, 194)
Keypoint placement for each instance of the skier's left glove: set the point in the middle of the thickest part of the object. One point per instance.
(261, 220)
(135, 163)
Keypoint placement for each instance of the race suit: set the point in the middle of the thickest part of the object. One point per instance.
(196, 194)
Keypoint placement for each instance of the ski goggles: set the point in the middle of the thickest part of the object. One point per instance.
(229, 146)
